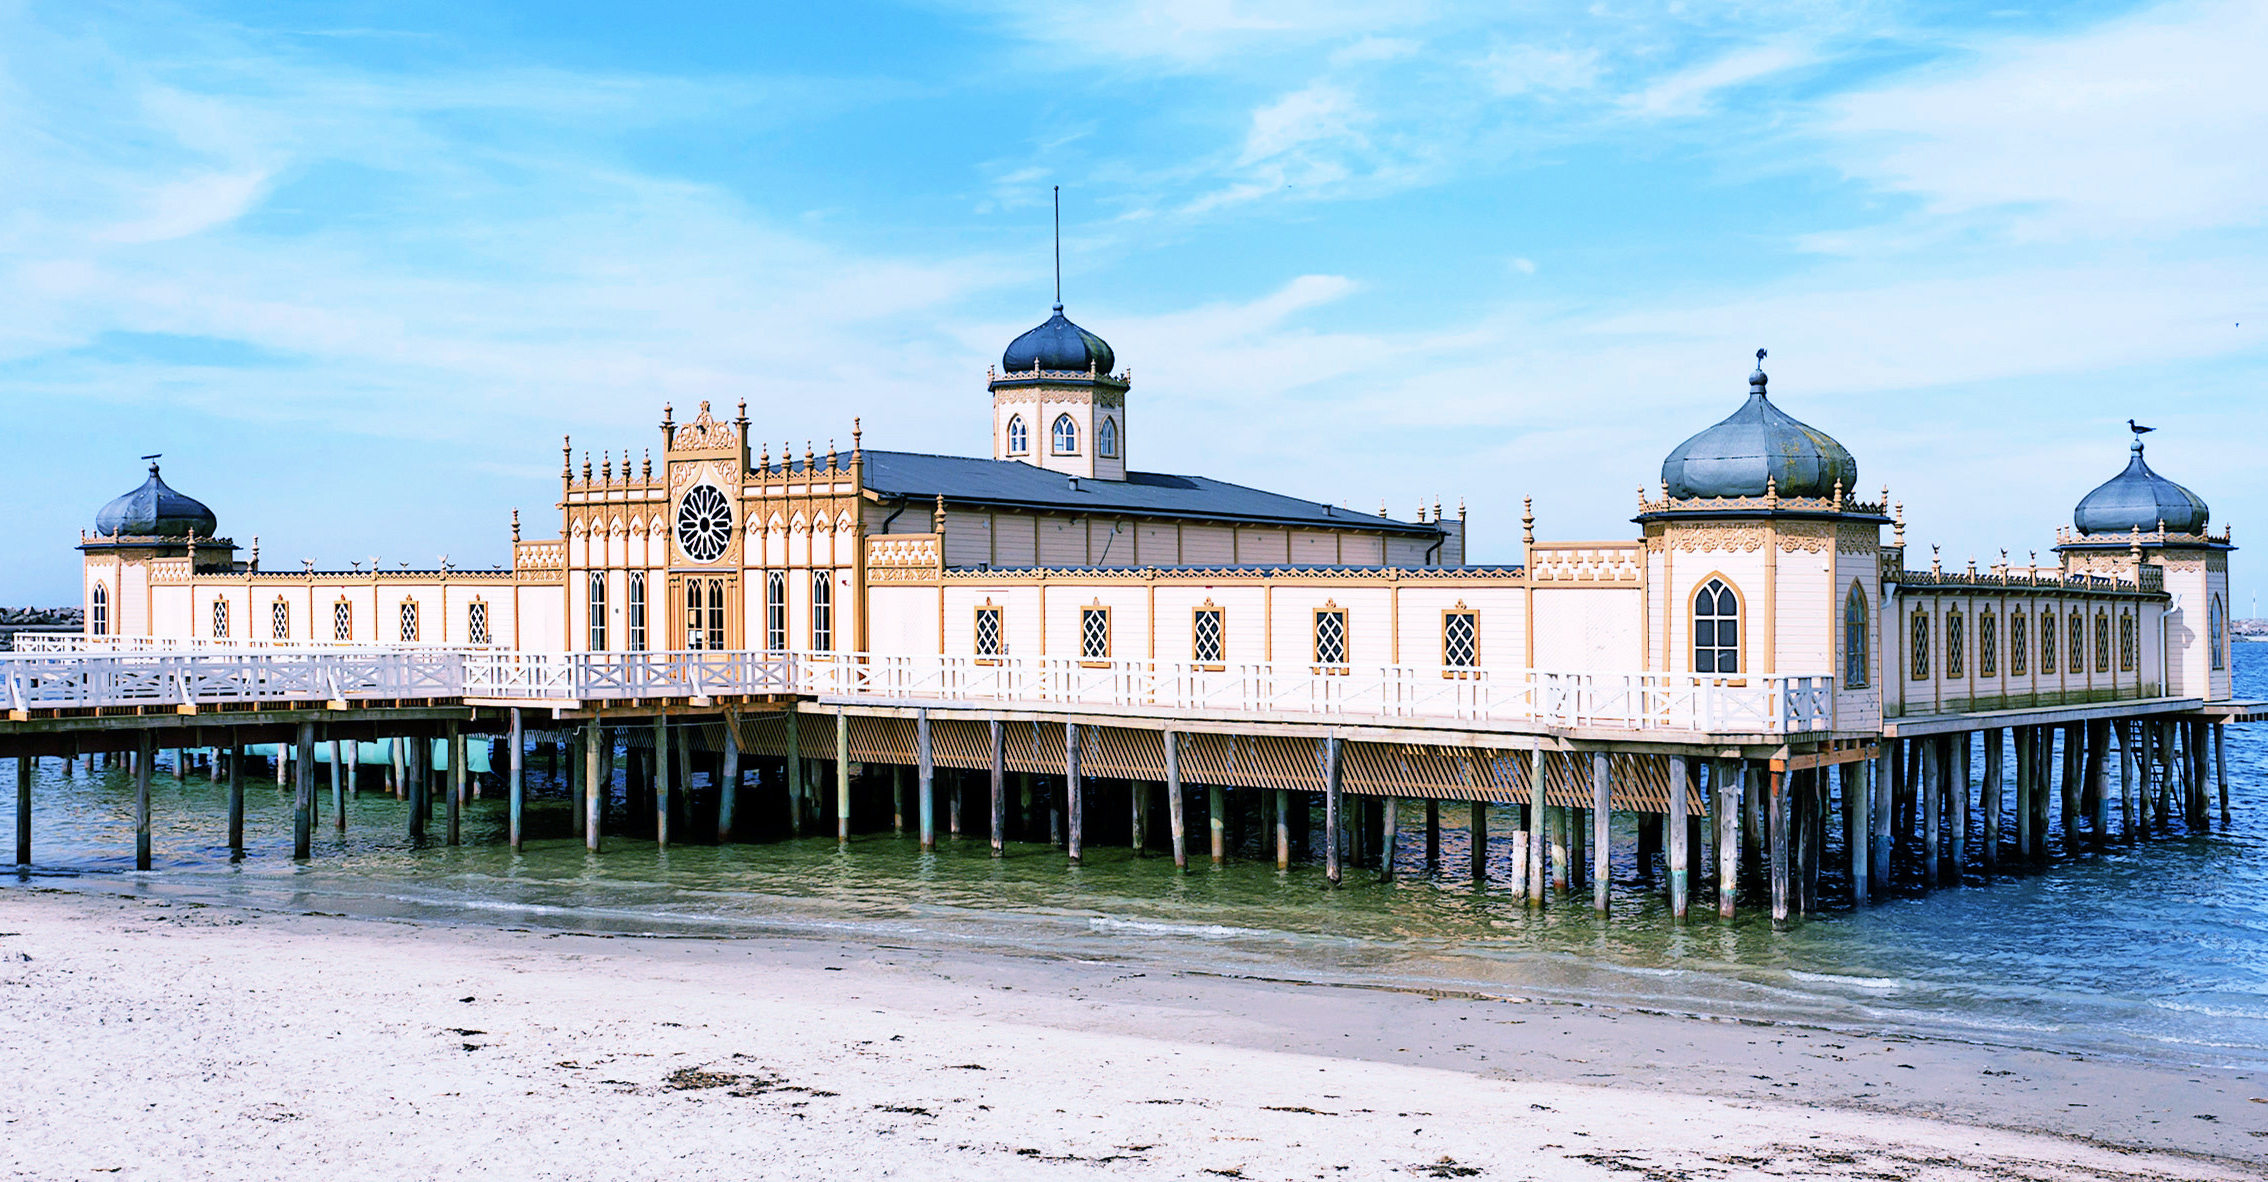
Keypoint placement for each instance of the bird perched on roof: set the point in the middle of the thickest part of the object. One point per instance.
(2138, 428)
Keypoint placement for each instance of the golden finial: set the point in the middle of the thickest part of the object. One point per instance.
(1972, 566)
(586, 467)
(809, 456)
(764, 459)
(741, 419)
(856, 446)
(831, 455)
(1527, 521)
(1437, 508)
(1382, 506)
(704, 407)
(646, 466)
(515, 525)
(937, 519)
(1839, 496)
(1771, 492)
(1934, 567)
(566, 457)
(606, 467)
(1460, 508)
(665, 413)
(1898, 523)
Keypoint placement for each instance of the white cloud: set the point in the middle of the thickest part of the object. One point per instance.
(176, 209)
(2154, 122)
(1319, 113)
(1526, 69)
(1190, 33)
(1693, 91)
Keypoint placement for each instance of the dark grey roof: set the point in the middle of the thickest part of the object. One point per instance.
(1758, 442)
(155, 510)
(2138, 499)
(1013, 484)
(1058, 345)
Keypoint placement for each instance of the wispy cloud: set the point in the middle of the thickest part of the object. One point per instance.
(1693, 91)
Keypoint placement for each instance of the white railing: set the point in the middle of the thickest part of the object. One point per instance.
(1765, 704)
(73, 642)
(1773, 704)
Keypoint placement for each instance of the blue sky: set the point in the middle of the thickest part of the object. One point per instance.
(355, 267)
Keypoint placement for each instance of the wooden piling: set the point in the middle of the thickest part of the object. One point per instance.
(1991, 798)
(1477, 849)
(1680, 777)
(1177, 809)
(842, 773)
(2071, 769)
(517, 776)
(338, 784)
(1138, 816)
(1217, 820)
(1962, 769)
(728, 782)
(2221, 768)
(1539, 841)
(2098, 776)
(1932, 795)
(662, 779)
(24, 768)
(2162, 739)
(415, 784)
(143, 758)
(1390, 839)
(1074, 794)
(2201, 755)
(454, 744)
(1520, 846)
(235, 800)
(1432, 834)
(1331, 813)
(999, 750)
(2126, 800)
(1602, 865)
(1283, 828)
(794, 759)
(925, 781)
(1776, 845)
(897, 798)
(303, 796)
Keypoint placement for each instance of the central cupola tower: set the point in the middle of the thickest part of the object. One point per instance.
(1057, 405)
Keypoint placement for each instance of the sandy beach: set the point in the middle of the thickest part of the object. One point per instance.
(159, 1040)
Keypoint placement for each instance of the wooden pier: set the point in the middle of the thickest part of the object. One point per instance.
(1761, 792)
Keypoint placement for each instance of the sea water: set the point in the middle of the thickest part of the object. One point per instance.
(2156, 950)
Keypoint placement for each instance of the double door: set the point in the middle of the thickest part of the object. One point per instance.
(705, 611)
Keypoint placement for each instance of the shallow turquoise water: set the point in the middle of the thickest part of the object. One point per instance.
(2157, 951)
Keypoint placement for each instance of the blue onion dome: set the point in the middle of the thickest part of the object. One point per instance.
(1061, 345)
(156, 511)
(2138, 499)
(1759, 443)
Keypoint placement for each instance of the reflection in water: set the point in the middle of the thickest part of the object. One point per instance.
(2160, 951)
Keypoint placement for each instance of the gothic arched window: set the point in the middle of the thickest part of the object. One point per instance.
(1854, 638)
(1066, 436)
(2216, 633)
(1106, 439)
(1716, 629)
(98, 621)
(1019, 436)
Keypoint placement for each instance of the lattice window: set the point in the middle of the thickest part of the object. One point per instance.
(1106, 439)
(1094, 633)
(279, 620)
(716, 636)
(2102, 642)
(2129, 644)
(989, 640)
(1066, 436)
(634, 612)
(1988, 644)
(693, 635)
(1330, 637)
(342, 621)
(775, 611)
(2075, 657)
(1716, 629)
(2019, 651)
(1208, 630)
(1460, 639)
(98, 614)
(476, 622)
(220, 618)
(409, 621)
(1019, 436)
(1920, 637)
(1855, 649)
(595, 614)
(822, 611)
(1956, 644)
(2047, 642)
(2217, 633)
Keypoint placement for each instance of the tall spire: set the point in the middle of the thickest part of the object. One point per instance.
(1059, 248)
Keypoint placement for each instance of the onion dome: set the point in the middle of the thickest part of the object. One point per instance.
(1756, 445)
(156, 511)
(1059, 345)
(2138, 499)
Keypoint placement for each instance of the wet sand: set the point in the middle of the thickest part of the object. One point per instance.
(150, 1039)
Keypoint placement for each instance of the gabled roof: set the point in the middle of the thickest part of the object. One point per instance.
(963, 480)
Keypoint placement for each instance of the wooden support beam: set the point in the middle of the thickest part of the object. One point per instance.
(1176, 809)
(303, 795)
(517, 781)
(1216, 820)
(842, 772)
(25, 766)
(2098, 777)
(1602, 816)
(660, 775)
(728, 782)
(144, 756)
(1539, 838)
(1075, 817)
(925, 781)
(1477, 848)
(1331, 824)
(794, 756)
(1432, 834)
(1776, 824)
(1391, 843)
(2221, 768)
(454, 745)
(235, 800)
(999, 747)
(338, 784)
(1680, 784)
(1283, 828)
